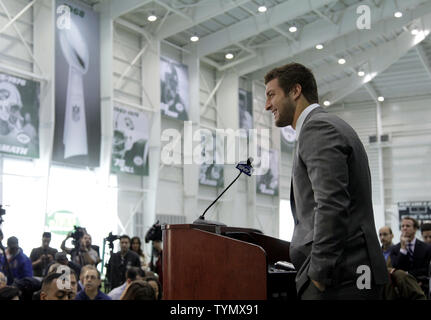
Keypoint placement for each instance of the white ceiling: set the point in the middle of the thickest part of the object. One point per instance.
(397, 60)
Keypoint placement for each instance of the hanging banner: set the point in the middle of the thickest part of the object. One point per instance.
(19, 116)
(211, 173)
(77, 85)
(130, 142)
(419, 210)
(288, 136)
(267, 178)
(245, 109)
(174, 81)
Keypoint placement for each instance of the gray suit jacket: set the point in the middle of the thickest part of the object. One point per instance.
(332, 206)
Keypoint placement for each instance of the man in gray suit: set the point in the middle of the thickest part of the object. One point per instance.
(334, 247)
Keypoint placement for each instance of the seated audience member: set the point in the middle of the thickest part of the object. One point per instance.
(61, 269)
(120, 262)
(136, 247)
(27, 286)
(61, 258)
(386, 236)
(19, 264)
(91, 286)
(42, 256)
(411, 254)
(155, 283)
(9, 293)
(426, 233)
(54, 288)
(84, 254)
(82, 275)
(132, 274)
(3, 280)
(139, 290)
(402, 286)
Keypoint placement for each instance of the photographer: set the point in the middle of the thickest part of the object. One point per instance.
(83, 253)
(42, 256)
(155, 235)
(120, 262)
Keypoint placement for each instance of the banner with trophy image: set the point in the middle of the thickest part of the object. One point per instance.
(174, 82)
(211, 173)
(130, 141)
(267, 177)
(288, 138)
(245, 109)
(19, 116)
(77, 132)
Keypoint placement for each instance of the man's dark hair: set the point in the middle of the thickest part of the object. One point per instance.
(426, 227)
(415, 222)
(139, 290)
(125, 236)
(46, 235)
(48, 279)
(9, 292)
(133, 272)
(294, 73)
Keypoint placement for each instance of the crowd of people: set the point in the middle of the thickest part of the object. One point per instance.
(72, 273)
(408, 261)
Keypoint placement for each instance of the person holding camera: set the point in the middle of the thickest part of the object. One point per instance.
(41, 257)
(83, 253)
(120, 262)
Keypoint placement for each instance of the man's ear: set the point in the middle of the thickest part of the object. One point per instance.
(43, 295)
(296, 91)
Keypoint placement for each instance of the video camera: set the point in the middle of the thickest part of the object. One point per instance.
(155, 233)
(77, 234)
(2, 213)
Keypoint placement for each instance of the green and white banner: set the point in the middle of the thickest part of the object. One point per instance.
(19, 116)
(130, 141)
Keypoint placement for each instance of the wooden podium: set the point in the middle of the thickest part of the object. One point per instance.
(208, 262)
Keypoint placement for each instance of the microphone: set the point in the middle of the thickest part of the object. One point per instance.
(243, 167)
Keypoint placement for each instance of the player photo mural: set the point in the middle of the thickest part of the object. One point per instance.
(288, 136)
(77, 85)
(211, 173)
(267, 177)
(245, 109)
(130, 141)
(174, 81)
(19, 116)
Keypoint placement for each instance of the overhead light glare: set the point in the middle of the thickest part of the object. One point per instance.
(152, 17)
(293, 29)
(319, 46)
(262, 9)
(194, 38)
(341, 61)
(229, 56)
(326, 103)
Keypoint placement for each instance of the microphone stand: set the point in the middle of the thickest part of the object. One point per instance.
(242, 167)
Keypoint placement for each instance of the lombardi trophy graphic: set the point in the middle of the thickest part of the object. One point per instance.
(76, 54)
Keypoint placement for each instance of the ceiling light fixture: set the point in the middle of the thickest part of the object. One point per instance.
(194, 38)
(381, 99)
(415, 31)
(361, 73)
(319, 46)
(152, 17)
(326, 103)
(342, 61)
(398, 14)
(229, 56)
(262, 9)
(293, 29)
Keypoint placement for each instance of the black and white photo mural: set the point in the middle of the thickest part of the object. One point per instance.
(267, 172)
(288, 138)
(174, 82)
(211, 173)
(77, 132)
(245, 109)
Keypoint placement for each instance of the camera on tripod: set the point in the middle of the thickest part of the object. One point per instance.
(155, 233)
(77, 234)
